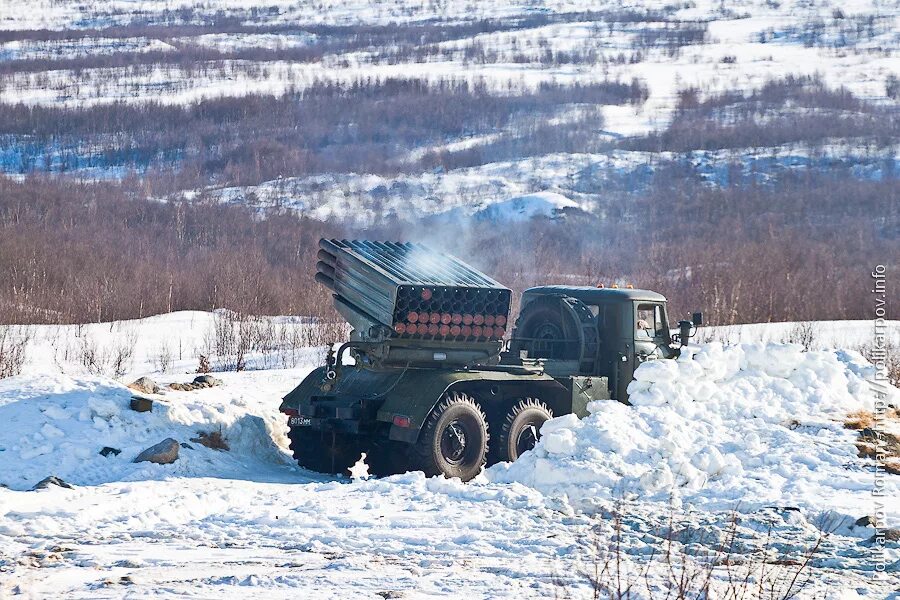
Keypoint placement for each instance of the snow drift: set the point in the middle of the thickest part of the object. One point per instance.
(721, 426)
(549, 205)
(57, 424)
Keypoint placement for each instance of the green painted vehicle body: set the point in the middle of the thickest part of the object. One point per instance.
(366, 402)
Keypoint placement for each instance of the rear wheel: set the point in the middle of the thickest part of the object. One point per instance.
(325, 452)
(454, 440)
(520, 429)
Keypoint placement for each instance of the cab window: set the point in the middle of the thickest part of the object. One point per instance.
(649, 321)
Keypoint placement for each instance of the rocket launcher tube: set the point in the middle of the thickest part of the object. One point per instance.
(382, 284)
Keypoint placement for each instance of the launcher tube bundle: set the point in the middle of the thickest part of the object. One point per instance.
(408, 291)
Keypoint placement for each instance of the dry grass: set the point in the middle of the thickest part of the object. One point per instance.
(212, 439)
(892, 466)
(872, 441)
(859, 419)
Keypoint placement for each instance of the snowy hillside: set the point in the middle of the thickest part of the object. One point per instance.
(756, 428)
(623, 73)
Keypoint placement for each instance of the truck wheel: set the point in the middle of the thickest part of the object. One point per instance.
(520, 430)
(454, 439)
(322, 451)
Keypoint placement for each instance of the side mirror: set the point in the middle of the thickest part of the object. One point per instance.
(697, 318)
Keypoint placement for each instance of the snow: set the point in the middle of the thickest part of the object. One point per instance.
(231, 42)
(755, 427)
(365, 198)
(523, 208)
(539, 205)
(78, 48)
(761, 40)
(754, 424)
(58, 424)
(159, 344)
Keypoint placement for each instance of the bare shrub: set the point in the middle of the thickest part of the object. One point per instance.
(791, 109)
(121, 354)
(326, 332)
(886, 356)
(725, 335)
(13, 345)
(113, 360)
(238, 341)
(221, 339)
(162, 360)
(61, 242)
(251, 139)
(803, 334)
(234, 337)
(704, 568)
(292, 339)
(90, 356)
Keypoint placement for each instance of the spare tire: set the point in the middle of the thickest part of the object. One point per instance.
(558, 328)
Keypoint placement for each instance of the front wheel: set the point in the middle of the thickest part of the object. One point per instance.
(454, 440)
(520, 430)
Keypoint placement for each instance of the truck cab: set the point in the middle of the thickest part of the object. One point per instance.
(577, 331)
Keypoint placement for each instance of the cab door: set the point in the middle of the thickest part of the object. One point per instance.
(651, 332)
(645, 337)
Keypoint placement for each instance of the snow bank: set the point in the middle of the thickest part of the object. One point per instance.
(524, 208)
(56, 424)
(751, 424)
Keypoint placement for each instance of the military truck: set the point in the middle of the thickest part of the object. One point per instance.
(426, 380)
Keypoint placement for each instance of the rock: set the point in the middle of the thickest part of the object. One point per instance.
(186, 446)
(144, 385)
(199, 383)
(51, 480)
(141, 404)
(866, 521)
(163, 453)
(884, 536)
(106, 451)
(207, 380)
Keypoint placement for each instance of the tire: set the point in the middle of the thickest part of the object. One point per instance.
(454, 440)
(321, 451)
(520, 429)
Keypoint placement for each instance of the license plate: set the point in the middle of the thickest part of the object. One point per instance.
(299, 421)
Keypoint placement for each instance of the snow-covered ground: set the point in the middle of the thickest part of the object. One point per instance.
(761, 40)
(737, 446)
